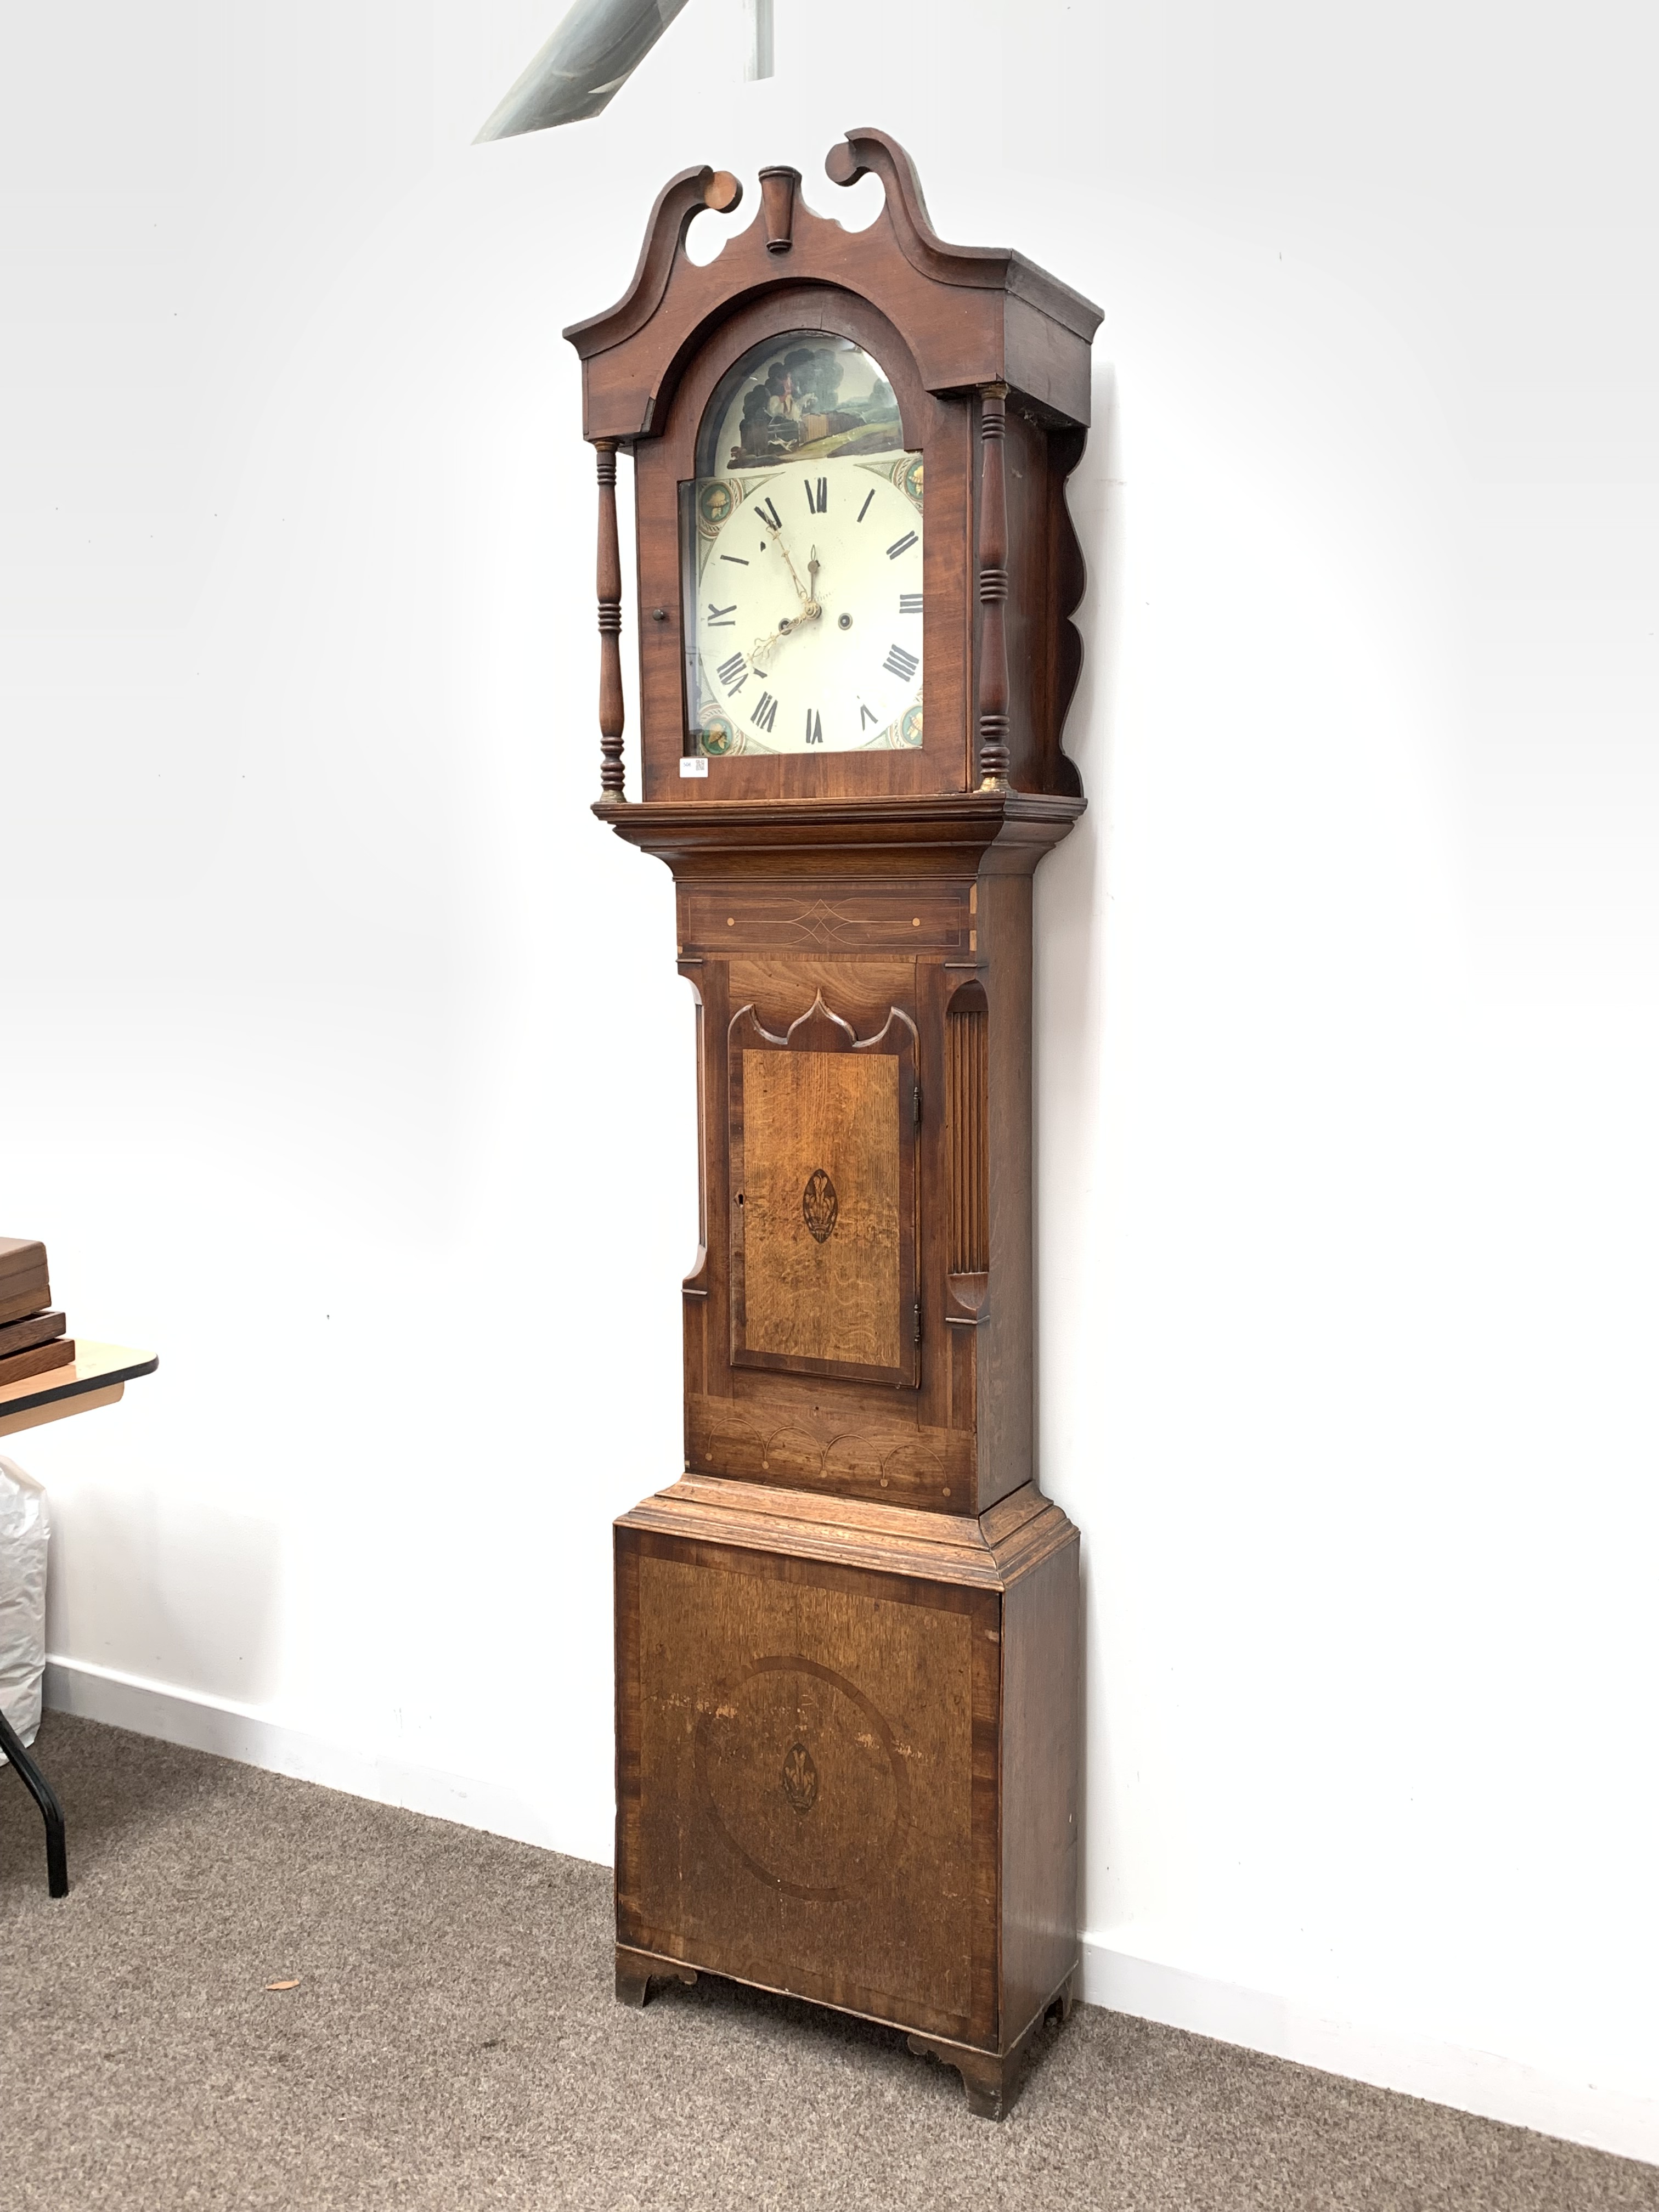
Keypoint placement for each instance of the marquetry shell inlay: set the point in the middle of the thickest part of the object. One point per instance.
(821, 1206)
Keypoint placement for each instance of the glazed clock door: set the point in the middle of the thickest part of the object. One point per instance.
(823, 1137)
(801, 562)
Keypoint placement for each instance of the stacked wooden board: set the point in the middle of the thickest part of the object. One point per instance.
(32, 1338)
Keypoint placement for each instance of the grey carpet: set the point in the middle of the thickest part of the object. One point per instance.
(454, 2042)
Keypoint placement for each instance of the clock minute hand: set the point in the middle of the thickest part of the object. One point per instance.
(806, 597)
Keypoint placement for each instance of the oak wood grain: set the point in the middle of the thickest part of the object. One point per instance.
(968, 1437)
(930, 1547)
(800, 1747)
(861, 990)
(868, 1444)
(822, 1151)
(817, 1126)
(825, 1710)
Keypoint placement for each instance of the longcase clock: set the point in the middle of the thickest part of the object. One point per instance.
(848, 1636)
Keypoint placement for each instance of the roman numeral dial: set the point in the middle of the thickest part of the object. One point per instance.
(804, 605)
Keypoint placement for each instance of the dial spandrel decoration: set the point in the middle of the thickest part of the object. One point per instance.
(802, 558)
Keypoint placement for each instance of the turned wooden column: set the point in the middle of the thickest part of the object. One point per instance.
(609, 594)
(993, 590)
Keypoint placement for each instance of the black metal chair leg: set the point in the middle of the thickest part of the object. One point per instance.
(46, 1798)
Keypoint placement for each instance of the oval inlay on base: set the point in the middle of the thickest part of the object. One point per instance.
(799, 1774)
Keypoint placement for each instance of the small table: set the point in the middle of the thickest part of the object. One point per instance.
(97, 1377)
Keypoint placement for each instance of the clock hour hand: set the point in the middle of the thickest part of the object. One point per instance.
(762, 646)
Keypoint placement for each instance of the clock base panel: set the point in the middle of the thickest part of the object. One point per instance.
(847, 1761)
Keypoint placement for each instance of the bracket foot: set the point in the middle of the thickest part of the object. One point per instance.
(637, 1970)
(991, 2079)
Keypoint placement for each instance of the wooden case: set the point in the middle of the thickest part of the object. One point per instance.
(847, 1639)
(989, 357)
(845, 1761)
(802, 940)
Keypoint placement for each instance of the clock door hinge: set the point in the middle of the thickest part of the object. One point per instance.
(916, 1312)
(915, 1107)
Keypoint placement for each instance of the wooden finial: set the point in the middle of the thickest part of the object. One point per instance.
(993, 590)
(609, 594)
(778, 190)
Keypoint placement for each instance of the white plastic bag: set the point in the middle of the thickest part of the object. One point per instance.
(24, 1527)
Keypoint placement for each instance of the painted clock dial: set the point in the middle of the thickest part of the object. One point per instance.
(801, 558)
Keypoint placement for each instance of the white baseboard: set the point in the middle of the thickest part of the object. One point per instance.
(1480, 2081)
(242, 1732)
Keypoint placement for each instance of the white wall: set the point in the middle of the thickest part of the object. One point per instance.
(1347, 1068)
